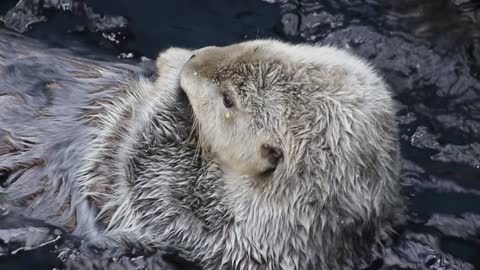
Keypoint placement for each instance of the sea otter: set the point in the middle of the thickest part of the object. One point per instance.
(257, 155)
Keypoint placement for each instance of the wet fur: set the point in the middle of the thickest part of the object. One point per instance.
(103, 150)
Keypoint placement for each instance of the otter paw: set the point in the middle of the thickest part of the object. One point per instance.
(172, 59)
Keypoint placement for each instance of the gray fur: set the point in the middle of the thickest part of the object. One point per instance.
(130, 160)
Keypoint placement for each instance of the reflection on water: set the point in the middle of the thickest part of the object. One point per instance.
(428, 51)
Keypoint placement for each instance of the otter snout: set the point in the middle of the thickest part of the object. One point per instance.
(200, 65)
(202, 49)
(198, 62)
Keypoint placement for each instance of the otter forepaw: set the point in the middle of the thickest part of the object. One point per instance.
(172, 59)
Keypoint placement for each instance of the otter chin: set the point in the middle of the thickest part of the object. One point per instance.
(258, 155)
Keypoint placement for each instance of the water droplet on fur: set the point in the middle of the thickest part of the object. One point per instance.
(195, 73)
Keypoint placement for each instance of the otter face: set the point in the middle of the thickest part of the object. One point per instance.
(316, 125)
(269, 108)
(231, 113)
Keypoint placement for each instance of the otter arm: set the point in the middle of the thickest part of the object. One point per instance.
(48, 100)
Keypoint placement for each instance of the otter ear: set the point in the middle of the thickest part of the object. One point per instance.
(272, 154)
(172, 58)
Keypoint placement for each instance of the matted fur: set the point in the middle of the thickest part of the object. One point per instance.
(115, 157)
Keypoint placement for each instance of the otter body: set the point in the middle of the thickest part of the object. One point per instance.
(259, 155)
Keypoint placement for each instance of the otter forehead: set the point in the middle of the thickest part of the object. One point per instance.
(271, 78)
(257, 72)
(282, 53)
(256, 58)
(238, 64)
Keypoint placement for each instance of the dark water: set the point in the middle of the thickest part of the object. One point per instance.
(428, 50)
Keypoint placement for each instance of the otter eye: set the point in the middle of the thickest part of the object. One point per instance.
(227, 101)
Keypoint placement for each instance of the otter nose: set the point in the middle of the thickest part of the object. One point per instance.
(198, 59)
(205, 48)
(202, 51)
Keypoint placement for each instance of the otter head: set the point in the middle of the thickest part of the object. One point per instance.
(313, 123)
(233, 111)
